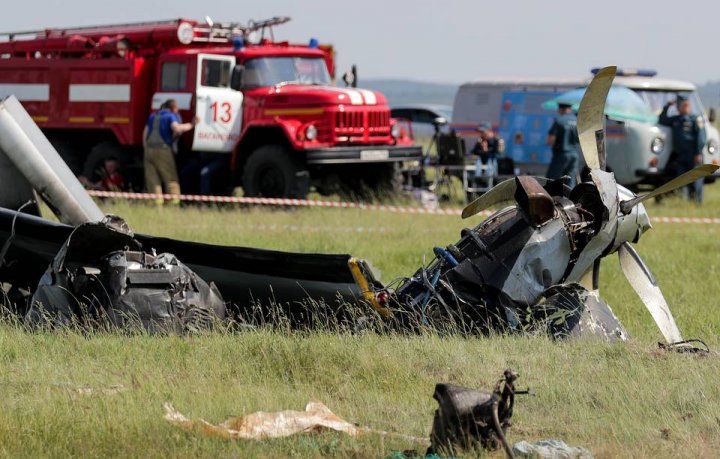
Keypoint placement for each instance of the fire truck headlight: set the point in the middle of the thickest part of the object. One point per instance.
(311, 132)
(395, 131)
(657, 145)
(712, 147)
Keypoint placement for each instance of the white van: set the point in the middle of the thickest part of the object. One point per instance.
(638, 152)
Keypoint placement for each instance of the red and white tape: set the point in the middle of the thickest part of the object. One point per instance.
(275, 202)
(337, 205)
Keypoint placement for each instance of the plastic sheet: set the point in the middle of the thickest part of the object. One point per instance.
(550, 449)
(263, 425)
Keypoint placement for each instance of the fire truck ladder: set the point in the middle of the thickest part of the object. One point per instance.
(226, 31)
(209, 32)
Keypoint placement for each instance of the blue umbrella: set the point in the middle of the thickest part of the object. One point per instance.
(622, 104)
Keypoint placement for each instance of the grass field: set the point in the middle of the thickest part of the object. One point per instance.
(102, 395)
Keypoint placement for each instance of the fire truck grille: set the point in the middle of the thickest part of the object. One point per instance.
(374, 123)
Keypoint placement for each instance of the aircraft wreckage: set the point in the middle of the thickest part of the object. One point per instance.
(531, 266)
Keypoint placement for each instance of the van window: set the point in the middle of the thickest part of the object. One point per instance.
(657, 98)
(215, 73)
(173, 76)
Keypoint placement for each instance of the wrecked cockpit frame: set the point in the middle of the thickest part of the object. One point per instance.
(102, 276)
(532, 266)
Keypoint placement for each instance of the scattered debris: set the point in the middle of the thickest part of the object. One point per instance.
(263, 425)
(101, 276)
(535, 264)
(470, 419)
(550, 449)
(532, 266)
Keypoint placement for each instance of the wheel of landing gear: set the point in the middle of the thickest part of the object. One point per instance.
(271, 172)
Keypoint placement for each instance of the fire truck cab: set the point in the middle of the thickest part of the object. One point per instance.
(266, 108)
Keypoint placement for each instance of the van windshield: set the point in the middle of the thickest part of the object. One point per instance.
(270, 71)
(656, 99)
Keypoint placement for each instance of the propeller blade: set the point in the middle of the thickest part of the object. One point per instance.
(591, 118)
(644, 284)
(678, 182)
(502, 192)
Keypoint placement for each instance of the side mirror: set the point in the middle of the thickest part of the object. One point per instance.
(237, 77)
(350, 77)
(712, 115)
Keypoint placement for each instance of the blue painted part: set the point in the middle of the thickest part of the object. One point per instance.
(426, 297)
(238, 43)
(444, 254)
(629, 72)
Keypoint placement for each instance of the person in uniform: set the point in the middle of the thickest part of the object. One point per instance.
(563, 138)
(161, 131)
(688, 141)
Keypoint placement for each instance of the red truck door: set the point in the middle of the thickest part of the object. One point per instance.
(217, 105)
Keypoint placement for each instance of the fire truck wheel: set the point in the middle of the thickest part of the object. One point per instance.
(387, 179)
(94, 163)
(270, 172)
(71, 157)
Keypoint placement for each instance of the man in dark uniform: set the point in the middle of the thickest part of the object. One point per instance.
(563, 138)
(688, 141)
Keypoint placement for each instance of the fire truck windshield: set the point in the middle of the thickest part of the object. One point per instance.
(270, 71)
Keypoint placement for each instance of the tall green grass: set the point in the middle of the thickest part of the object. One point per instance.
(101, 394)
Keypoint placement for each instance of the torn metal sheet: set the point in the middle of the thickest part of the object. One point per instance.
(245, 277)
(102, 277)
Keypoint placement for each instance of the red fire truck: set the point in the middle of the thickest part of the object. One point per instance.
(269, 105)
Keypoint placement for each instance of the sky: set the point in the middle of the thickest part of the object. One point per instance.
(449, 41)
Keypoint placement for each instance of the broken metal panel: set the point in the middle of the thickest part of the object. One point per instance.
(599, 320)
(573, 311)
(100, 277)
(541, 263)
(249, 276)
(244, 276)
(29, 150)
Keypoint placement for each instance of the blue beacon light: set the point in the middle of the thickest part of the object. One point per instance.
(238, 43)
